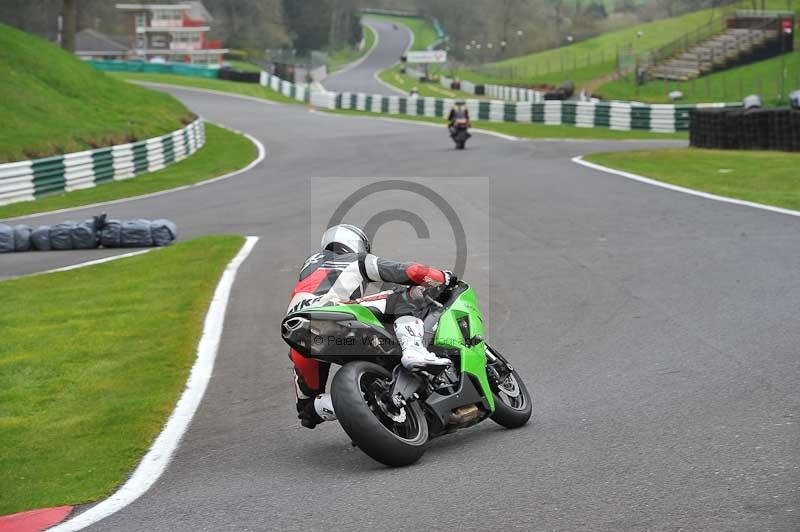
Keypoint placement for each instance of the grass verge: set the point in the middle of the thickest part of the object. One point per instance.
(85, 389)
(243, 66)
(422, 28)
(234, 87)
(223, 152)
(764, 177)
(405, 83)
(531, 131)
(52, 102)
(342, 57)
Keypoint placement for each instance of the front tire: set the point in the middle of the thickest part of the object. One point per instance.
(371, 425)
(512, 401)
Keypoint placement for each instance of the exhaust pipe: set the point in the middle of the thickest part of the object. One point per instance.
(463, 415)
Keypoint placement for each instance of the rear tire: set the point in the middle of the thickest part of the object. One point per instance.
(512, 411)
(393, 444)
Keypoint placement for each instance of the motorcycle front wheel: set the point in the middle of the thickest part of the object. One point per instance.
(393, 436)
(512, 401)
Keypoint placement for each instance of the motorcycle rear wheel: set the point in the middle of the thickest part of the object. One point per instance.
(395, 437)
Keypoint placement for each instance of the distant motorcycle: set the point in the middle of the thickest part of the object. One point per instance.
(459, 132)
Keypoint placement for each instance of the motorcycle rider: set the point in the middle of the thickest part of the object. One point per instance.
(459, 110)
(340, 272)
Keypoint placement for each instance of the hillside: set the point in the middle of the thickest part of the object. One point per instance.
(593, 58)
(731, 85)
(52, 102)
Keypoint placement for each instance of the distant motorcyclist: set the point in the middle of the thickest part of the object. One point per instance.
(458, 111)
(340, 272)
(458, 124)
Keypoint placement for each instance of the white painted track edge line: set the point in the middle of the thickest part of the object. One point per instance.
(87, 263)
(160, 454)
(387, 85)
(495, 134)
(724, 199)
(361, 59)
(209, 91)
(262, 153)
(398, 119)
(408, 47)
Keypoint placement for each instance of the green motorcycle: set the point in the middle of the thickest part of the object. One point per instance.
(389, 412)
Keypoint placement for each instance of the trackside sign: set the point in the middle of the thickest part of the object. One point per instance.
(427, 56)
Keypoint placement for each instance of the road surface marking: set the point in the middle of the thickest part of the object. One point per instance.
(158, 457)
(676, 188)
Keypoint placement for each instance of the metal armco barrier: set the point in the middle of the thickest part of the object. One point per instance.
(745, 129)
(28, 180)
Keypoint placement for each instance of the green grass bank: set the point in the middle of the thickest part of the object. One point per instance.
(53, 103)
(85, 389)
(338, 59)
(594, 58)
(774, 79)
(767, 177)
(254, 90)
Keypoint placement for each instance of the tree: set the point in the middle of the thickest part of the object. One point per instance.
(70, 21)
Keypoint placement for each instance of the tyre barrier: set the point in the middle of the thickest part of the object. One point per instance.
(88, 234)
(29, 180)
(624, 116)
(239, 76)
(745, 129)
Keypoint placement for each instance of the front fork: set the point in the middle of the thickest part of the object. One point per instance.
(497, 367)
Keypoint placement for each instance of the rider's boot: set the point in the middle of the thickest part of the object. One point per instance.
(315, 410)
(323, 405)
(410, 332)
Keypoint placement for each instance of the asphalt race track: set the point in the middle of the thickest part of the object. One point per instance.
(657, 331)
(390, 46)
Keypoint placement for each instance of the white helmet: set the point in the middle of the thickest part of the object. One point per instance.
(345, 238)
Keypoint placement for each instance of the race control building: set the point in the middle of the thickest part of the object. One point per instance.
(172, 33)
